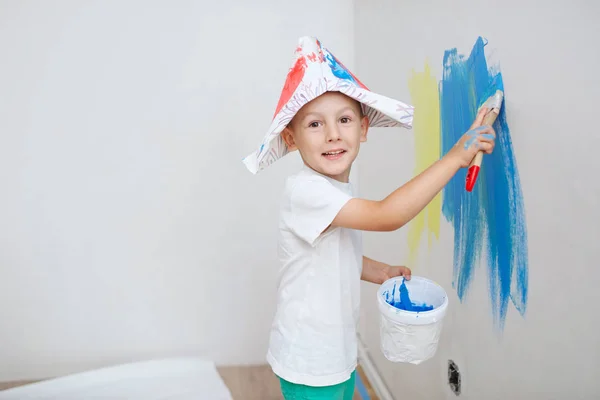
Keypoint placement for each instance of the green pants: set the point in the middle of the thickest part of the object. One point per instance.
(341, 391)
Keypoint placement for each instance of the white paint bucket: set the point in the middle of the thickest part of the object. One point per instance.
(409, 336)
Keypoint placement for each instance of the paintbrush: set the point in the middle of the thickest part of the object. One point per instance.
(493, 104)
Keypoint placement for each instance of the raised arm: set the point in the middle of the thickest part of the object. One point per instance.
(402, 205)
(406, 202)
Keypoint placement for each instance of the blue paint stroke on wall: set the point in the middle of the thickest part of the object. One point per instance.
(490, 220)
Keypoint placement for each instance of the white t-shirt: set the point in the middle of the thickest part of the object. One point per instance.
(313, 337)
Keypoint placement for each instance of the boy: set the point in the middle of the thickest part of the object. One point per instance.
(324, 112)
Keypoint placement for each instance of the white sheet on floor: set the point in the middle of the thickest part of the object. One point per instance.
(166, 379)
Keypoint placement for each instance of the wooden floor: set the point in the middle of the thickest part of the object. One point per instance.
(246, 383)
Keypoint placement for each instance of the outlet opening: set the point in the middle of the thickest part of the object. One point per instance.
(453, 377)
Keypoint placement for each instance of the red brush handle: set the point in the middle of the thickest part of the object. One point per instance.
(472, 174)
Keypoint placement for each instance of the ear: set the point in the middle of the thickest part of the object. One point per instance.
(364, 128)
(288, 138)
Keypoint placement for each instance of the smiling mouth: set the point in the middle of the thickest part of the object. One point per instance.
(334, 154)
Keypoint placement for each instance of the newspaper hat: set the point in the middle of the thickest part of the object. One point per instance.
(315, 71)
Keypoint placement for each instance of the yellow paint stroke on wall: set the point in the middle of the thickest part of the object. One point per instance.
(424, 95)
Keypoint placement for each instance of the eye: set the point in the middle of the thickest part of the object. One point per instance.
(345, 120)
(314, 124)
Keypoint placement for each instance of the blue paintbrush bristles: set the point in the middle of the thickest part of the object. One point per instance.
(495, 85)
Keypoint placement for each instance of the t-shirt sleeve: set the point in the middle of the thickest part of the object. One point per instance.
(314, 204)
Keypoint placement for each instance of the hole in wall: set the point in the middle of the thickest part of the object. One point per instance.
(453, 377)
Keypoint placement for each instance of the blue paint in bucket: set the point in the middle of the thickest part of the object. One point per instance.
(405, 303)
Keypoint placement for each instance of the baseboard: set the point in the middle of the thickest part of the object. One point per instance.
(372, 373)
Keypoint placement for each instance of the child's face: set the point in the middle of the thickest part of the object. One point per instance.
(328, 131)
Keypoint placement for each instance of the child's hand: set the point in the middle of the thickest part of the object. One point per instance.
(378, 272)
(478, 138)
(392, 272)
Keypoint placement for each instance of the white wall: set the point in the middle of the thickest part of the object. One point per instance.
(129, 226)
(549, 57)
